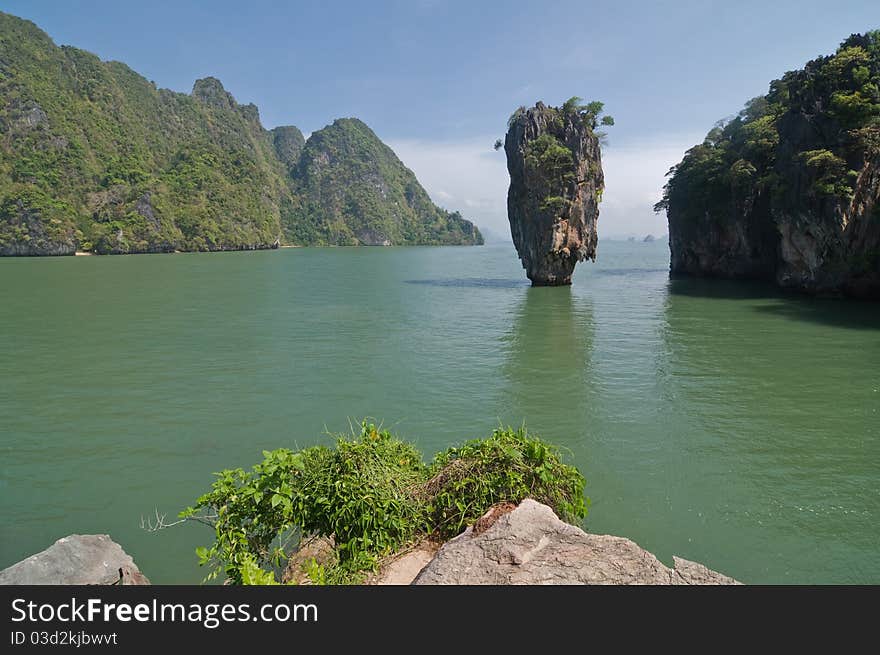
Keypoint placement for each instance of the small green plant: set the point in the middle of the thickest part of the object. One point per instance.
(554, 204)
(372, 494)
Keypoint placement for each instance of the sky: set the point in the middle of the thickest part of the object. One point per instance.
(437, 79)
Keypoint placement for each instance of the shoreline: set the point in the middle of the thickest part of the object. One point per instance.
(86, 253)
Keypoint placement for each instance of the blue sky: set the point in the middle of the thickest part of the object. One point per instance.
(437, 79)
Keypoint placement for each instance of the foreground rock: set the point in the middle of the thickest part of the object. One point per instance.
(556, 183)
(88, 559)
(402, 568)
(529, 545)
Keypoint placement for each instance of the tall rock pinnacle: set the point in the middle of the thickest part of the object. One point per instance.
(556, 184)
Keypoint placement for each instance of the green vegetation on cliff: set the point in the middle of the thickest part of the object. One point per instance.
(95, 157)
(373, 495)
(550, 162)
(840, 97)
(352, 190)
(789, 188)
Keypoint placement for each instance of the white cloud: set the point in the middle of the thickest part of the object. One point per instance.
(634, 179)
(469, 176)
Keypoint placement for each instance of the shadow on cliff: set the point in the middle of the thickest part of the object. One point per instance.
(473, 283)
(837, 312)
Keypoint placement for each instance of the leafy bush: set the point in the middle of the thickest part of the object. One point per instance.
(508, 466)
(372, 494)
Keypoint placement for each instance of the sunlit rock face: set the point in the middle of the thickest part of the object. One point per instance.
(553, 200)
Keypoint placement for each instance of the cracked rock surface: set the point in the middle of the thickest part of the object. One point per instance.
(530, 545)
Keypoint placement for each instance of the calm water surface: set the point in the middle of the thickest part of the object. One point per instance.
(716, 421)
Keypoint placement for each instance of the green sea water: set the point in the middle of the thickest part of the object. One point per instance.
(717, 421)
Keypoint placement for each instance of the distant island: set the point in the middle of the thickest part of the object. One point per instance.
(94, 157)
(789, 189)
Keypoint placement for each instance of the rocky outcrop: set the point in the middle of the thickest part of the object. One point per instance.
(26, 233)
(789, 190)
(556, 182)
(402, 568)
(529, 545)
(88, 559)
(833, 245)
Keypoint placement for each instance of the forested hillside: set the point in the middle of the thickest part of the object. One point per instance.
(95, 157)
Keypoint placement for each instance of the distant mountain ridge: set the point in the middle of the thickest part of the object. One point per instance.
(95, 157)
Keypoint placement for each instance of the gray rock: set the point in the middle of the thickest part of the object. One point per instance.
(553, 210)
(35, 116)
(28, 115)
(530, 545)
(78, 559)
(144, 207)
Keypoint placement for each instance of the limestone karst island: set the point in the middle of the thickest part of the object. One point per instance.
(660, 366)
(556, 184)
(788, 190)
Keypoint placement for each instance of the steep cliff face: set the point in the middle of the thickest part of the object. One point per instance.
(789, 190)
(734, 241)
(556, 183)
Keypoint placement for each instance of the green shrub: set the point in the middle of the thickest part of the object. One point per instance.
(372, 494)
(508, 466)
(553, 204)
